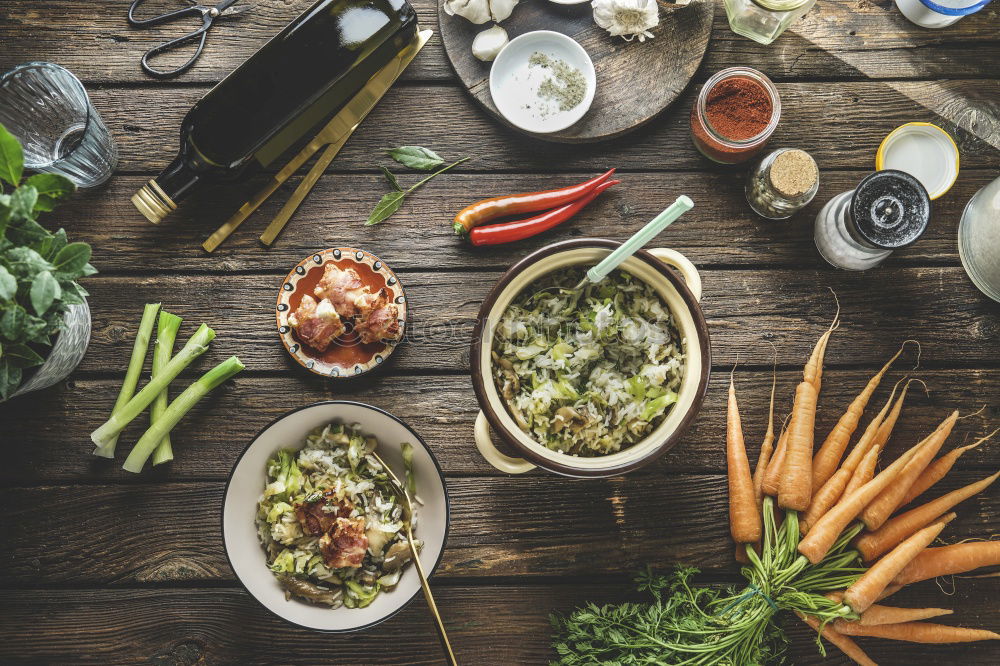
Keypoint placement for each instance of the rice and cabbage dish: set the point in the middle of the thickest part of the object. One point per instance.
(588, 372)
(331, 526)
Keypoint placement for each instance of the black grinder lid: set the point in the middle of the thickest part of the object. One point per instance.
(890, 209)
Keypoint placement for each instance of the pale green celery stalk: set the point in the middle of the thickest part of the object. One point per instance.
(107, 450)
(194, 348)
(177, 409)
(166, 334)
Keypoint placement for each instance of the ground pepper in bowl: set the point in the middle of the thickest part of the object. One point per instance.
(735, 114)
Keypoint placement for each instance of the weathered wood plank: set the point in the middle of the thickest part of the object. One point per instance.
(744, 309)
(525, 527)
(52, 446)
(490, 626)
(841, 125)
(840, 38)
(419, 237)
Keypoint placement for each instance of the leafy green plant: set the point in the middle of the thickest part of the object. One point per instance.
(38, 269)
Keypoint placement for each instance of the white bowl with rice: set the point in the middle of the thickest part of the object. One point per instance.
(250, 477)
(601, 398)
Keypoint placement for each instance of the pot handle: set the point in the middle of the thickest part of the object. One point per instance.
(502, 462)
(683, 266)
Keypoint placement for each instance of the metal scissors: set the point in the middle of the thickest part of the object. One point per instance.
(224, 9)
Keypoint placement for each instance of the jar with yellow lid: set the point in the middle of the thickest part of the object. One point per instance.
(763, 20)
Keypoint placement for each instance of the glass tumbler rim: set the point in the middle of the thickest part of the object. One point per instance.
(43, 64)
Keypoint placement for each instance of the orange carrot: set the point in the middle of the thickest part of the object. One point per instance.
(795, 484)
(948, 560)
(744, 518)
(880, 508)
(828, 456)
(845, 644)
(865, 590)
(767, 446)
(878, 614)
(938, 469)
(891, 589)
(827, 529)
(873, 544)
(918, 632)
(812, 373)
(772, 477)
(865, 471)
(885, 428)
(741, 553)
(834, 487)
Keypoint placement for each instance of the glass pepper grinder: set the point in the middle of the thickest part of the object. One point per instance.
(857, 230)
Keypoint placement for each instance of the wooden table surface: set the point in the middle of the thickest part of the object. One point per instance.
(100, 566)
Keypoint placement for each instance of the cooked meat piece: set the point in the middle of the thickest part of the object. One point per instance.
(320, 516)
(380, 322)
(346, 545)
(316, 325)
(344, 289)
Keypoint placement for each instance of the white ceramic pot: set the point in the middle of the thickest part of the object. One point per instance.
(677, 282)
(66, 354)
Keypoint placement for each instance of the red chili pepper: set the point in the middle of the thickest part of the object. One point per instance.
(508, 232)
(483, 211)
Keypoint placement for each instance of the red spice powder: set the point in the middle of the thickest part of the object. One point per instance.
(738, 108)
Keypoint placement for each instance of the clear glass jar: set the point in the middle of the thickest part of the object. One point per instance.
(764, 184)
(979, 239)
(857, 230)
(763, 20)
(710, 142)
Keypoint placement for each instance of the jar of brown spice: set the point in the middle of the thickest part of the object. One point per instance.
(735, 114)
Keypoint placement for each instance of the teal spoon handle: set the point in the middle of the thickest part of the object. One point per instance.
(641, 237)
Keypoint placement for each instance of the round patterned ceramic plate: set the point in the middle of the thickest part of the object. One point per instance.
(347, 356)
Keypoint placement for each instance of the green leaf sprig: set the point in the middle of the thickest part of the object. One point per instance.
(413, 157)
(38, 269)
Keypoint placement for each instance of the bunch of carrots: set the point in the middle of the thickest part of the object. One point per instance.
(841, 546)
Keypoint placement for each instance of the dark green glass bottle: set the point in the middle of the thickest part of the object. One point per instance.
(277, 100)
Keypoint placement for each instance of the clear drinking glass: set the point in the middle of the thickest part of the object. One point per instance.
(48, 110)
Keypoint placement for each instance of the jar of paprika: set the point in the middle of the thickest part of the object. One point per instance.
(735, 114)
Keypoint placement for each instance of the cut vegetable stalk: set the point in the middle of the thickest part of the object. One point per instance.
(166, 334)
(107, 449)
(195, 347)
(177, 409)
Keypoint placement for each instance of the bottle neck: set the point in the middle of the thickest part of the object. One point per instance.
(158, 198)
(178, 179)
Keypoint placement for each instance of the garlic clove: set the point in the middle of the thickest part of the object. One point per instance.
(488, 43)
(476, 11)
(501, 9)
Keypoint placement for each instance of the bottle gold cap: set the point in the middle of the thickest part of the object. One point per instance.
(153, 202)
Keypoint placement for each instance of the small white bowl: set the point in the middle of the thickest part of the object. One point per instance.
(246, 483)
(514, 84)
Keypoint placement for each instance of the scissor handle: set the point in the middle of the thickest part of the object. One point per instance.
(163, 18)
(200, 34)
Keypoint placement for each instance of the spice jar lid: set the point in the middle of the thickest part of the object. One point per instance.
(924, 151)
(890, 209)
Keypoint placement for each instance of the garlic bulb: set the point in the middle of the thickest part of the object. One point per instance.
(488, 44)
(480, 11)
(627, 18)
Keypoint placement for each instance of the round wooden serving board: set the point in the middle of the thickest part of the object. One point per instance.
(635, 80)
